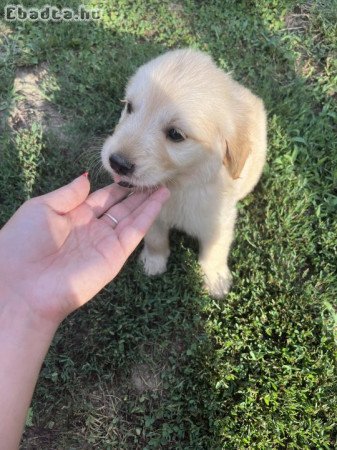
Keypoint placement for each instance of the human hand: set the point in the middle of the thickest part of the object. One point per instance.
(58, 251)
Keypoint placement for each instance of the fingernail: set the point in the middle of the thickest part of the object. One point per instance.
(86, 174)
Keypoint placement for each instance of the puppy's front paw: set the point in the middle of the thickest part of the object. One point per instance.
(217, 281)
(154, 264)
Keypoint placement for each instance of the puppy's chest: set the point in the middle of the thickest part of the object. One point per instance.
(190, 210)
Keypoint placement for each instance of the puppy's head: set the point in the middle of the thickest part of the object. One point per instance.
(179, 122)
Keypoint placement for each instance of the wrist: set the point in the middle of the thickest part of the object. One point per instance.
(19, 318)
(24, 344)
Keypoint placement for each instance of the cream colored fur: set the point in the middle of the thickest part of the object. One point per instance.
(218, 163)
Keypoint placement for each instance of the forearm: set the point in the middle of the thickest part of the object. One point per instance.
(23, 346)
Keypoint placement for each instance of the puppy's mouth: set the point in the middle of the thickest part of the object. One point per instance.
(123, 172)
(132, 183)
(121, 181)
(126, 184)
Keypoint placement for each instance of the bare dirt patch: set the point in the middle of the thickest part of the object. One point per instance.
(145, 378)
(298, 19)
(31, 104)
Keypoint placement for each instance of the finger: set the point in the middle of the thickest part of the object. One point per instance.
(101, 200)
(68, 197)
(161, 195)
(134, 228)
(124, 208)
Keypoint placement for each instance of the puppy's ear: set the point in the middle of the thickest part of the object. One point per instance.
(236, 150)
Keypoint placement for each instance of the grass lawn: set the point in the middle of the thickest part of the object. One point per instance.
(155, 363)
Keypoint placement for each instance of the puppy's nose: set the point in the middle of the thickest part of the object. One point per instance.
(121, 165)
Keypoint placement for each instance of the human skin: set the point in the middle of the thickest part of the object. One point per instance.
(56, 252)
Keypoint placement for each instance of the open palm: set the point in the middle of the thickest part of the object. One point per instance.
(59, 250)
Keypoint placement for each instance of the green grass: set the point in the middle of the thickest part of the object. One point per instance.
(256, 370)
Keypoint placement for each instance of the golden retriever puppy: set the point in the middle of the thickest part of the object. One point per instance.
(188, 125)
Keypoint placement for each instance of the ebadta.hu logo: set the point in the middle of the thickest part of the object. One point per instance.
(49, 13)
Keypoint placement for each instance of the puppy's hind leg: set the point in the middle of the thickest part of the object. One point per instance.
(214, 254)
(156, 249)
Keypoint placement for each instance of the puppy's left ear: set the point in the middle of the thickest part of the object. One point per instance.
(236, 150)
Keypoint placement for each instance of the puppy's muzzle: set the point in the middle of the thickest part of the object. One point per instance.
(121, 165)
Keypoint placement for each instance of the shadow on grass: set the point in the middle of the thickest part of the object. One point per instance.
(155, 362)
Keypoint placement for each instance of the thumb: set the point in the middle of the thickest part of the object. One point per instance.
(68, 197)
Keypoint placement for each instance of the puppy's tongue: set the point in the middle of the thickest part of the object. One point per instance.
(117, 178)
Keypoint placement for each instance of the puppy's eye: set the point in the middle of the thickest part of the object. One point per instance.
(175, 135)
(129, 108)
